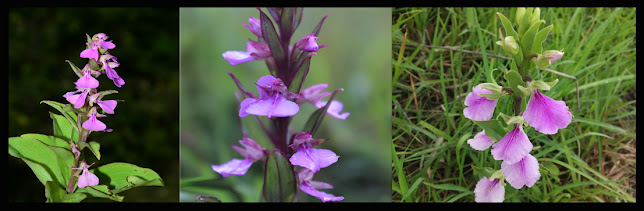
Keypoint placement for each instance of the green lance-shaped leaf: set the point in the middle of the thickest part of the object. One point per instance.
(316, 31)
(75, 69)
(53, 192)
(529, 37)
(493, 129)
(514, 79)
(74, 197)
(315, 120)
(67, 110)
(42, 160)
(120, 177)
(269, 34)
(63, 128)
(280, 184)
(286, 22)
(48, 140)
(100, 191)
(537, 46)
(298, 17)
(300, 75)
(525, 22)
(507, 25)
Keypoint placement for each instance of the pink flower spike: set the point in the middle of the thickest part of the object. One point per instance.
(313, 94)
(334, 109)
(479, 108)
(87, 81)
(237, 57)
(87, 178)
(94, 124)
(480, 141)
(234, 167)
(525, 172)
(513, 146)
(90, 53)
(545, 114)
(254, 26)
(313, 159)
(489, 191)
(308, 43)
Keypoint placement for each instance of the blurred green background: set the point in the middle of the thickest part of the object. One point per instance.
(358, 59)
(145, 123)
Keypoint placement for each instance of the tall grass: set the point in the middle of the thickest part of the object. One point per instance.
(439, 54)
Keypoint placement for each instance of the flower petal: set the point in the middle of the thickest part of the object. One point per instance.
(480, 141)
(87, 81)
(234, 167)
(277, 106)
(325, 197)
(525, 172)
(94, 124)
(107, 105)
(237, 57)
(87, 179)
(313, 159)
(513, 146)
(334, 109)
(489, 191)
(545, 114)
(479, 108)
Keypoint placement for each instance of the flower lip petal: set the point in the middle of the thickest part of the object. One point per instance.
(545, 114)
(513, 146)
(233, 167)
(479, 108)
(487, 190)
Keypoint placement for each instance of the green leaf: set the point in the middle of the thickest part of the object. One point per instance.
(300, 75)
(74, 197)
(42, 160)
(507, 25)
(529, 37)
(100, 191)
(48, 140)
(75, 69)
(279, 179)
(493, 129)
(514, 79)
(125, 176)
(537, 46)
(483, 171)
(316, 31)
(67, 110)
(286, 20)
(63, 128)
(93, 146)
(271, 38)
(315, 120)
(54, 192)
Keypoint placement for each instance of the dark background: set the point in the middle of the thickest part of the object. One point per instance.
(145, 124)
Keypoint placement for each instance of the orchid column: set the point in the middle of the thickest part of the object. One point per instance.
(511, 145)
(293, 161)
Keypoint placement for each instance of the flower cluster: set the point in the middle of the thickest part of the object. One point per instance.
(544, 114)
(280, 97)
(86, 95)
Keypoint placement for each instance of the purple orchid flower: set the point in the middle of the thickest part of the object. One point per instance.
(75, 151)
(254, 51)
(524, 172)
(254, 26)
(514, 146)
(253, 152)
(272, 101)
(480, 141)
(309, 157)
(107, 105)
(78, 100)
(479, 108)
(489, 190)
(334, 109)
(308, 43)
(109, 62)
(93, 124)
(545, 114)
(90, 53)
(310, 187)
(314, 95)
(101, 37)
(87, 81)
(86, 178)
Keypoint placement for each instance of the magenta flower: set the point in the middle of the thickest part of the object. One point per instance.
(254, 26)
(252, 152)
(107, 105)
(102, 43)
(309, 157)
(310, 187)
(308, 43)
(273, 100)
(109, 62)
(93, 124)
(90, 53)
(234, 167)
(254, 51)
(86, 178)
(479, 108)
(524, 172)
(87, 81)
(545, 114)
(334, 109)
(513, 146)
(313, 94)
(75, 151)
(78, 100)
(489, 191)
(480, 141)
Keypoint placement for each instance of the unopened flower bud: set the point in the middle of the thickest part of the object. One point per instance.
(509, 44)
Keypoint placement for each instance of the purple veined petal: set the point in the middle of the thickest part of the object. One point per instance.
(233, 167)
(107, 44)
(480, 141)
(87, 179)
(237, 57)
(545, 114)
(525, 172)
(107, 105)
(313, 159)
(334, 109)
(513, 146)
(487, 190)
(94, 124)
(87, 81)
(277, 106)
(479, 108)
(325, 197)
(90, 53)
